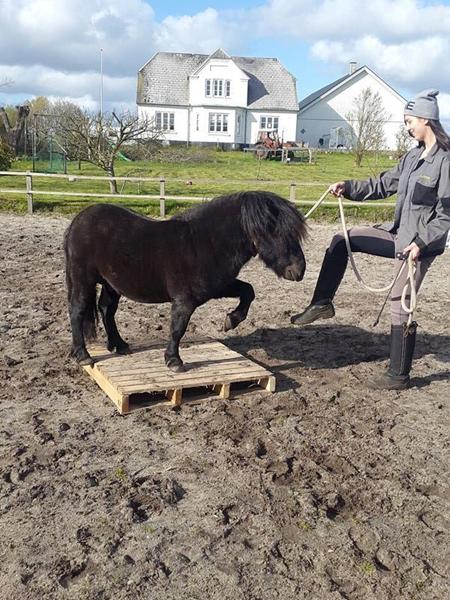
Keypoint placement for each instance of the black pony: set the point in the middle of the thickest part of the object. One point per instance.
(186, 260)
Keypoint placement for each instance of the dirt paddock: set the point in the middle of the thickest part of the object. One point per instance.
(322, 490)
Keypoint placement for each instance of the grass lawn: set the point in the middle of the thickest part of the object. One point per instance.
(211, 172)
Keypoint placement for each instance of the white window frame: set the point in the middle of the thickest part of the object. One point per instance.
(164, 120)
(269, 123)
(217, 122)
(218, 88)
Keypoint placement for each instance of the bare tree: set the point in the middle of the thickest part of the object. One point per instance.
(15, 136)
(98, 138)
(5, 82)
(368, 117)
(403, 142)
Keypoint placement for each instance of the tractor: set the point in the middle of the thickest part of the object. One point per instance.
(269, 145)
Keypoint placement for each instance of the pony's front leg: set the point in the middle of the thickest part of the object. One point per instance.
(244, 291)
(182, 309)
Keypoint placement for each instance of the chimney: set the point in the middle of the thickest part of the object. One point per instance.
(352, 67)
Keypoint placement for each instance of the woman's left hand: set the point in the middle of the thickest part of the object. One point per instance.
(412, 249)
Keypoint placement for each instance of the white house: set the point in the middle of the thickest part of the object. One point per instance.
(218, 98)
(322, 115)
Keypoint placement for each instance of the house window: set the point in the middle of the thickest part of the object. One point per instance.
(165, 121)
(238, 124)
(218, 88)
(218, 122)
(268, 123)
(197, 121)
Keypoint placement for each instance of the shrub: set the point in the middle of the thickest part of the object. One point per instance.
(6, 156)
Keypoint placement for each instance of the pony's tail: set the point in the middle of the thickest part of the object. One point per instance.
(90, 318)
(69, 284)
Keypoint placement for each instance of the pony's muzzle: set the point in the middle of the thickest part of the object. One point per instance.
(294, 273)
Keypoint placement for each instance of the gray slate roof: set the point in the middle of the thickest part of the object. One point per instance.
(164, 80)
(326, 88)
(317, 94)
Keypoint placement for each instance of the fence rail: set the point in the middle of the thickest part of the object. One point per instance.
(162, 197)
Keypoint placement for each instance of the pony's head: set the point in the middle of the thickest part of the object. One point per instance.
(276, 229)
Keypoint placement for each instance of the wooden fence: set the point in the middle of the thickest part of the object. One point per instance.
(162, 197)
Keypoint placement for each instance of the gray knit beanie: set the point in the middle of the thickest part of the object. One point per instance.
(424, 105)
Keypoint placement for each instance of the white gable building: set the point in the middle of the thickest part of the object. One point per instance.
(217, 99)
(322, 115)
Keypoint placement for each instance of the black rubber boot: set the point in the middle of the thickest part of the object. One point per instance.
(330, 277)
(403, 341)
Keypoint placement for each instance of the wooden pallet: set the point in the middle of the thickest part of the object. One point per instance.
(208, 363)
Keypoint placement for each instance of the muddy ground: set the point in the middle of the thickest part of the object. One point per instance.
(323, 490)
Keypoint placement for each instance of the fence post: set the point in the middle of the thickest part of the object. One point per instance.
(292, 192)
(29, 182)
(162, 198)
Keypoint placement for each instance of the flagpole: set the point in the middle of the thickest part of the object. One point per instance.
(101, 82)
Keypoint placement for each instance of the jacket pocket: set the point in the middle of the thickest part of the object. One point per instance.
(424, 195)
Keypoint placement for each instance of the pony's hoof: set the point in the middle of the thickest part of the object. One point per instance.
(230, 323)
(123, 349)
(176, 366)
(86, 362)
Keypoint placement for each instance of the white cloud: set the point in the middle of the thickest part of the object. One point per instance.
(42, 81)
(405, 41)
(47, 48)
(444, 107)
(425, 64)
(70, 36)
(393, 20)
(53, 49)
(203, 32)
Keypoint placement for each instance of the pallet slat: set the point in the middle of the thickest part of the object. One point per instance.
(164, 374)
(209, 364)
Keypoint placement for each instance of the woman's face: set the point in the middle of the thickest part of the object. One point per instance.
(417, 127)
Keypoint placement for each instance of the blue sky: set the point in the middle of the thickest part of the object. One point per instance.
(294, 55)
(178, 8)
(53, 49)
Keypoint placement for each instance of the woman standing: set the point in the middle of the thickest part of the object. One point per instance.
(422, 219)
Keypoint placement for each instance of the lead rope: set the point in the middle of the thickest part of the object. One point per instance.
(410, 282)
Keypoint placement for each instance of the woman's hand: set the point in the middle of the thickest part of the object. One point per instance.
(412, 249)
(337, 189)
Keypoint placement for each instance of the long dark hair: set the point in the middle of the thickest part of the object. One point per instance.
(442, 138)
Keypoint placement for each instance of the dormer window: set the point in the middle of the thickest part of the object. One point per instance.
(217, 88)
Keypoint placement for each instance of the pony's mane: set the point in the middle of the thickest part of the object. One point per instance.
(265, 214)
(262, 214)
(203, 210)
